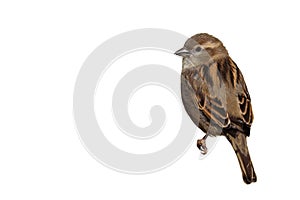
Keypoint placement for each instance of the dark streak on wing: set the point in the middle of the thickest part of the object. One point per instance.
(207, 75)
(221, 69)
(201, 99)
(231, 71)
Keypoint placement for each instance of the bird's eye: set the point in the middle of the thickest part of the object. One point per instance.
(198, 49)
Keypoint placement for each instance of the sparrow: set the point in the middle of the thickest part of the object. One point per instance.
(216, 98)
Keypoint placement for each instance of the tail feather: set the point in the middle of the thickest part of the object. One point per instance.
(239, 144)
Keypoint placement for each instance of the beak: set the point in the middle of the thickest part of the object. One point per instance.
(182, 52)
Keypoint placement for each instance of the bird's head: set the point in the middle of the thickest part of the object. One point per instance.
(202, 49)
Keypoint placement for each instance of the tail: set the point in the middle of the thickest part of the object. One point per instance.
(239, 144)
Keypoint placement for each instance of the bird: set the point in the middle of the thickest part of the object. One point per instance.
(215, 96)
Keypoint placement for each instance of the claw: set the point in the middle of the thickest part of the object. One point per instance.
(201, 144)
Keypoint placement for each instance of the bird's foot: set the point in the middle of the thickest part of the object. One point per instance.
(201, 144)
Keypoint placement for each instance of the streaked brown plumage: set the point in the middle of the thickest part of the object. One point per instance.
(216, 97)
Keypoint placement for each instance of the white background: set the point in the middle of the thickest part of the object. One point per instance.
(42, 47)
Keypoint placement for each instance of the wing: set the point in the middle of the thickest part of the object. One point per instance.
(215, 106)
(244, 99)
(211, 105)
(244, 115)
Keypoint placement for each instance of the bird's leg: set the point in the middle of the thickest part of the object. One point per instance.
(201, 144)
